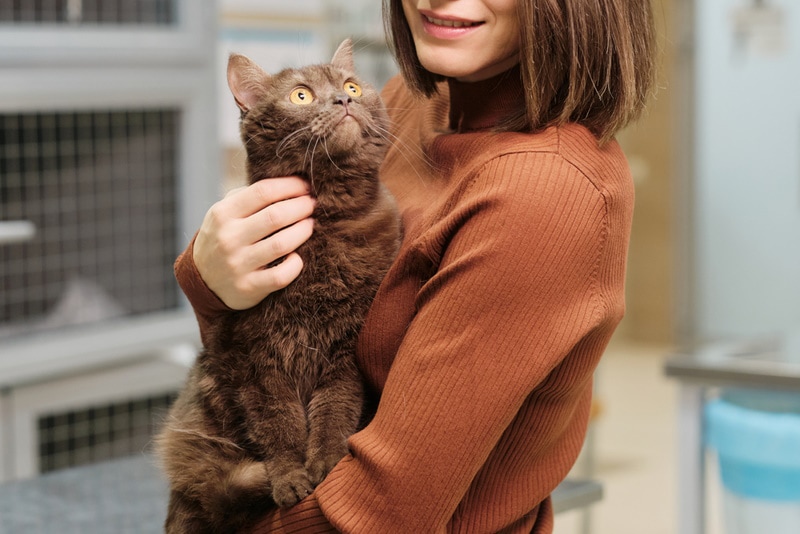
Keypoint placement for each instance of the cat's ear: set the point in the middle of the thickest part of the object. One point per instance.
(343, 57)
(248, 82)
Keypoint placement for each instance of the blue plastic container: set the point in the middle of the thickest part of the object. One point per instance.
(756, 435)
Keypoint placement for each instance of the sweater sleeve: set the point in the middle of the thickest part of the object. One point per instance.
(305, 517)
(205, 303)
(514, 292)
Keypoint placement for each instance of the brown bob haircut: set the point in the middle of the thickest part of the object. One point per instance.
(585, 61)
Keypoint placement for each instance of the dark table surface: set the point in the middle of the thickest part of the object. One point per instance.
(130, 496)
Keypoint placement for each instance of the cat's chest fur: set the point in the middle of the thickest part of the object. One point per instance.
(299, 327)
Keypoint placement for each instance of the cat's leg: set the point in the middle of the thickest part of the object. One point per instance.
(185, 516)
(333, 415)
(215, 487)
(276, 422)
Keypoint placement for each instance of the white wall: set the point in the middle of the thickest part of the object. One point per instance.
(746, 188)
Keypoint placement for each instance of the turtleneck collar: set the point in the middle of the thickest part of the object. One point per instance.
(482, 105)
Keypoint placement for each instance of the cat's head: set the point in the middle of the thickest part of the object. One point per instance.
(294, 119)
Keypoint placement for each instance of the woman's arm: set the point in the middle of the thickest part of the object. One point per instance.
(516, 290)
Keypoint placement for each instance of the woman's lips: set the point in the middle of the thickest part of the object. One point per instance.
(447, 28)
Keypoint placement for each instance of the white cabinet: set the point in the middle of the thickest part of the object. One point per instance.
(88, 417)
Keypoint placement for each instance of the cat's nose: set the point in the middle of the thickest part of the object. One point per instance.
(342, 100)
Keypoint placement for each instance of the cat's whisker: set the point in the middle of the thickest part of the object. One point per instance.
(288, 138)
(404, 149)
(325, 145)
(311, 169)
(251, 137)
(396, 141)
(263, 131)
(309, 161)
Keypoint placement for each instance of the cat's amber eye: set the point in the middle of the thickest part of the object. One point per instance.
(301, 96)
(352, 88)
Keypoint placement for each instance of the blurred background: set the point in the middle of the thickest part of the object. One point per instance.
(117, 132)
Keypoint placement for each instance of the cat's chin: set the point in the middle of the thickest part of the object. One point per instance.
(346, 136)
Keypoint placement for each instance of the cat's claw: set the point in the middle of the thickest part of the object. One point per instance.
(291, 488)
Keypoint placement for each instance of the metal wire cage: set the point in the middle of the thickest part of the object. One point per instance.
(108, 161)
(99, 187)
(98, 433)
(88, 11)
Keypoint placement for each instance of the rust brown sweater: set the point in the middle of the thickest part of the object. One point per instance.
(484, 336)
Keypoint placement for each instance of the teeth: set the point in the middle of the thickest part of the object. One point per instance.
(450, 23)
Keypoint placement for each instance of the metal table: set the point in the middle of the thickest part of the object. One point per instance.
(130, 496)
(120, 496)
(766, 365)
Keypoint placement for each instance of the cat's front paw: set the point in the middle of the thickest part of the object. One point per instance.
(319, 468)
(291, 488)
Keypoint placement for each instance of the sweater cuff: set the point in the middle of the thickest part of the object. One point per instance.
(305, 517)
(204, 301)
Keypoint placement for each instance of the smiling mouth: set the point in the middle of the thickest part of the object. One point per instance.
(452, 23)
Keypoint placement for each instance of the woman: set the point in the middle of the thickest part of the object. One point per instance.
(516, 205)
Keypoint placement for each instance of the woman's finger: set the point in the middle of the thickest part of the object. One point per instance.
(275, 217)
(274, 278)
(245, 201)
(278, 245)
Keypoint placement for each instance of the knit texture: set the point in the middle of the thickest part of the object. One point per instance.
(483, 338)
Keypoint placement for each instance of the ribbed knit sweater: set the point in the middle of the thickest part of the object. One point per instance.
(483, 338)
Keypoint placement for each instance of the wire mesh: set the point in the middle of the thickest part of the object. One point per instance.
(100, 188)
(98, 433)
(128, 12)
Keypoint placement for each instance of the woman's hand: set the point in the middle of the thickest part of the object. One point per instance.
(249, 229)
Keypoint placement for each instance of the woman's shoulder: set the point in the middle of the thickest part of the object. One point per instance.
(558, 153)
(564, 166)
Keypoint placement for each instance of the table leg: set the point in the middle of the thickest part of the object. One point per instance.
(691, 460)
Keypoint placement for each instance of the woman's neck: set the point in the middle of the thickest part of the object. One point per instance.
(485, 104)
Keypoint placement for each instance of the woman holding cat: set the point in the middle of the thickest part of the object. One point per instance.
(516, 202)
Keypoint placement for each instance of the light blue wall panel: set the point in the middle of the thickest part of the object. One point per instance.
(747, 168)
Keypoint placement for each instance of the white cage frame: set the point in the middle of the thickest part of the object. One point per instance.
(184, 42)
(26, 405)
(24, 359)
